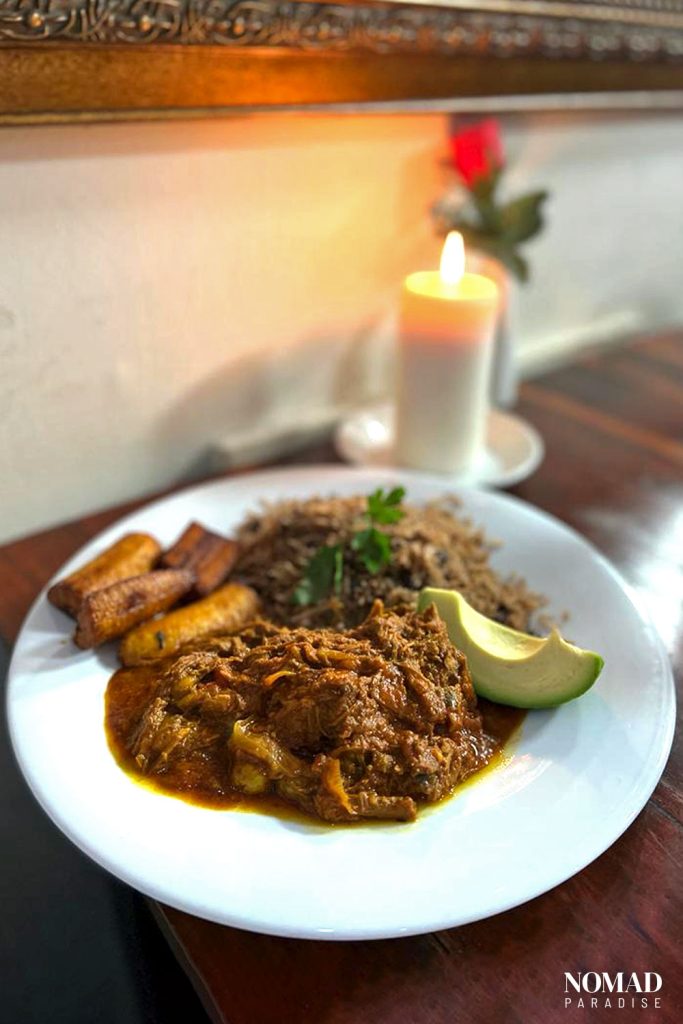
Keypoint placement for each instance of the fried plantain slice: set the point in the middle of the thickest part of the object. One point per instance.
(186, 547)
(224, 611)
(133, 554)
(111, 611)
(210, 556)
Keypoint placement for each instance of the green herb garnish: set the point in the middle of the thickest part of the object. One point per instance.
(373, 548)
(325, 571)
(385, 508)
(322, 576)
(372, 545)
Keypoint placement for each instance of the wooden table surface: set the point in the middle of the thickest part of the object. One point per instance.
(613, 426)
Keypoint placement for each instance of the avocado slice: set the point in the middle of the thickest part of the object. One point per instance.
(511, 667)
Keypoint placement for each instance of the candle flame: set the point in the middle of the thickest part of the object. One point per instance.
(453, 258)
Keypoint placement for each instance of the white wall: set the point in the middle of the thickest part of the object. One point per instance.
(164, 285)
(612, 257)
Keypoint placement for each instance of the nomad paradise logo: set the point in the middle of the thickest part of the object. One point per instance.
(590, 990)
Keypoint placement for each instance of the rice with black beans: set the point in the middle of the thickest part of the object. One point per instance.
(430, 546)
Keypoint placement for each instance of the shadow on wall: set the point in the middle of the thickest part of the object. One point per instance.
(261, 405)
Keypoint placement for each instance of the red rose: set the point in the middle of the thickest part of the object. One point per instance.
(477, 150)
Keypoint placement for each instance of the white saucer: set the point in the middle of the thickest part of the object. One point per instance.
(514, 449)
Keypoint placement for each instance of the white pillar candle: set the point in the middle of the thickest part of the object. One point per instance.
(445, 345)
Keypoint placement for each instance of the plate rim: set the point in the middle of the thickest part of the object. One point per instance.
(358, 932)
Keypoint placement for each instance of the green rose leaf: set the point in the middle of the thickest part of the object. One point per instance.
(521, 219)
(515, 263)
(483, 188)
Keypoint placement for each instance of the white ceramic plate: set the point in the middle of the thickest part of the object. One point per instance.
(513, 448)
(577, 777)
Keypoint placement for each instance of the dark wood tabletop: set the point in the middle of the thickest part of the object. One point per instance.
(613, 427)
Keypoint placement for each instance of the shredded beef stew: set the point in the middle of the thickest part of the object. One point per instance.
(367, 723)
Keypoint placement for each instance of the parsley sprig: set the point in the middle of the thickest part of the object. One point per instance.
(322, 576)
(324, 573)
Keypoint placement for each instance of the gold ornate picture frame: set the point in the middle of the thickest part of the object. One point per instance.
(104, 59)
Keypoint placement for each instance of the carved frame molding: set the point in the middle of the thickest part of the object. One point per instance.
(638, 44)
(646, 30)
